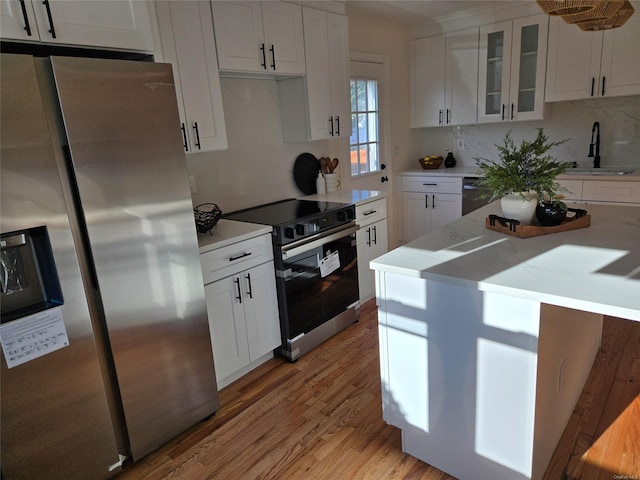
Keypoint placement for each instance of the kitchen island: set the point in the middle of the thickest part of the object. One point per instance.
(486, 339)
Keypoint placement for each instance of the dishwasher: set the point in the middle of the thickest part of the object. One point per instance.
(474, 195)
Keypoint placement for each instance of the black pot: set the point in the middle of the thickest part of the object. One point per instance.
(551, 213)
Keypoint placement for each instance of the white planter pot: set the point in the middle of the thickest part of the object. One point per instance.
(518, 208)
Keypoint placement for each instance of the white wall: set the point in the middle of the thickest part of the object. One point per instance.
(258, 166)
(619, 134)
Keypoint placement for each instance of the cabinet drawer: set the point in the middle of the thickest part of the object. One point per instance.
(603, 191)
(371, 212)
(231, 259)
(432, 184)
(574, 188)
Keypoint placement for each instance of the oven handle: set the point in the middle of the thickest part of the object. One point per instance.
(316, 241)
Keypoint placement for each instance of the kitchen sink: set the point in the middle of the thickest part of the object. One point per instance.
(599, 171)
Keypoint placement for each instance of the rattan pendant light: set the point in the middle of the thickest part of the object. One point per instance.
(619, 19)
(603, 10)
(566, 7)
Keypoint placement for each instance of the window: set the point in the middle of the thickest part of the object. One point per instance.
(365, 141)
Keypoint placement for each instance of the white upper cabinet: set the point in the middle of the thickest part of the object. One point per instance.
(444, 79)
(512, 70)
(259, 37)
(427, 72)
(316, 107)
(121, 24)
(593, 64)
(186, 33)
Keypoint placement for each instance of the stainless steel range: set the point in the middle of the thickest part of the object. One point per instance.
(316, 263)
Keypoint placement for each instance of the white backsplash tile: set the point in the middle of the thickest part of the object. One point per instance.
(619, 133)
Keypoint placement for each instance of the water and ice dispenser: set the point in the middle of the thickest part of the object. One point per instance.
(29, 280)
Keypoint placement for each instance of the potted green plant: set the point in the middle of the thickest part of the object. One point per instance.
(523, 176)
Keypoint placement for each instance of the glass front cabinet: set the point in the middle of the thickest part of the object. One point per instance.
(512, 70)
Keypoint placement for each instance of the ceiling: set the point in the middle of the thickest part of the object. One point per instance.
(420, 12)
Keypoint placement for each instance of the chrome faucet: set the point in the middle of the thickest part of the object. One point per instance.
(596, 157)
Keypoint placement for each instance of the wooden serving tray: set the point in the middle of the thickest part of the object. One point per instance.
(512, 227)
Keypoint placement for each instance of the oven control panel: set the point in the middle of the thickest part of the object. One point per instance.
(310, 226)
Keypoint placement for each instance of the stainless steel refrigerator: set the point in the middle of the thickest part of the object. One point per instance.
(104, 331)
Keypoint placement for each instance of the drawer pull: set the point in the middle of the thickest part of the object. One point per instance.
(233, 259)
(430, 184)
(370, 212)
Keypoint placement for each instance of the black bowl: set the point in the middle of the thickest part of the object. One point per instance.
(551, 213)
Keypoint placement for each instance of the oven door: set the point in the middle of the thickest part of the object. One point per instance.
(317, 280)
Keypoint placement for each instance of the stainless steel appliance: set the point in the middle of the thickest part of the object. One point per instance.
(474, 195)
(316, 269)
(105, 339)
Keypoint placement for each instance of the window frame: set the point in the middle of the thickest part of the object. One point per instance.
(367, 112)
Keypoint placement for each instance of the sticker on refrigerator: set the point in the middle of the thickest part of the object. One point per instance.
(33, 336)
(329, 264)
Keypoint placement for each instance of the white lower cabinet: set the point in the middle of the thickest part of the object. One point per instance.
(242, 308)
(372, 242)
(602, 191)
(428, 203)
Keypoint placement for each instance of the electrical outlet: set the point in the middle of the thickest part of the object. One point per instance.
(193, 186)
(460, 144)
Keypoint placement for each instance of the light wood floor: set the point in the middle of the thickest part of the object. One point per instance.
(320, 418)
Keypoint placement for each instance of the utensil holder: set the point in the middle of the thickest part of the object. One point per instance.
(331, 181)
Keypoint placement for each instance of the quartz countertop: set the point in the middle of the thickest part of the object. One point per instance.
(595, 269)
(347, 196)
(473, 172)
(227, 232)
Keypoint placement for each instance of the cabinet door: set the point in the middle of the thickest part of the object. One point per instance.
(316, 38)
(416, 209)
(261, 310)
(282, 23)
(461, 98)
(17, 20)
(573, 62)
(190, 47)
(620, 66)
(528, 68)
(427, 81)
(227, 325)
(372, 243)
(239, 36)
(494, 72)
(123, 24)
(446, 207)
(338, 37)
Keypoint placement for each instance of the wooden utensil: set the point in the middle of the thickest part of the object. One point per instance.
(324, 165)
(334, 164)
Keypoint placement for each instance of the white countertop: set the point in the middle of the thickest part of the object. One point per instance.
(596, 269)
(473, 172)
(347, 196)
(227, 232)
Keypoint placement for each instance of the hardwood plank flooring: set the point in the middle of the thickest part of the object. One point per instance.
(320, 418)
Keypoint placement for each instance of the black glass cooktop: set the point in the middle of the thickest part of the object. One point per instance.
(284, 212)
